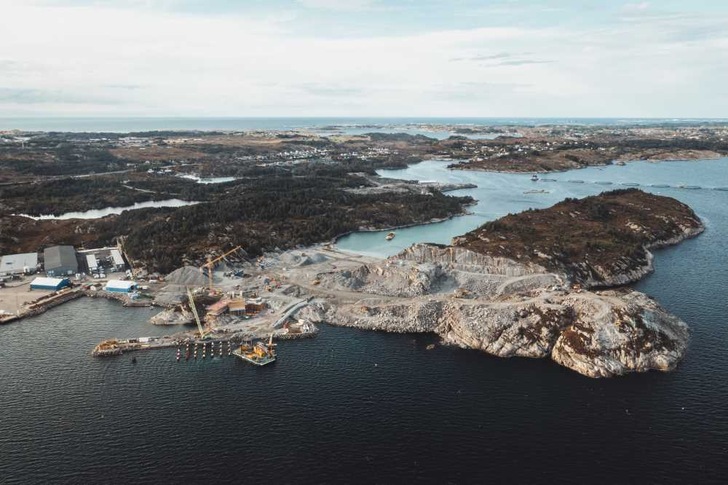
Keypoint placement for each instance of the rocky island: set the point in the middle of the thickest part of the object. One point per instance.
(519, 292)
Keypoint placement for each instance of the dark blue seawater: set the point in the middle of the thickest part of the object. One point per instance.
(364, 407)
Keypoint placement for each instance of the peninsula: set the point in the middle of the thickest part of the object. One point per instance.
(519, 286)
(534, 284)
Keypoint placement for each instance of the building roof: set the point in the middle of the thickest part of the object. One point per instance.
(42, 281)
(120, 285)
(91, 261)
(15, 263)
(60, 257)
(116, 256)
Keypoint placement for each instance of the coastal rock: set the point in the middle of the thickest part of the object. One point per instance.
(173, 316)
(507, 309)
(633, 334)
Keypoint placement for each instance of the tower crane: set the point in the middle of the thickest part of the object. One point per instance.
(210, 265)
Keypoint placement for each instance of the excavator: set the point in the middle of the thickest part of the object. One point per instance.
(210, 265)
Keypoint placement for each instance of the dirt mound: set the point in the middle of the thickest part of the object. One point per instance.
(303, 259)
(187, 276)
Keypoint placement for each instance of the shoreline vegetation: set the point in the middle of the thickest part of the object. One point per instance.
(290, 188)
(524, 285)
(532, 285)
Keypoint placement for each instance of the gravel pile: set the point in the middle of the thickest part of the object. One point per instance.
(187, 276)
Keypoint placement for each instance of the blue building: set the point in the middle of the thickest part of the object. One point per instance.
(52, 284)
(119, 286)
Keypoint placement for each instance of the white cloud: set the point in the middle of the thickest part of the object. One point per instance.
(636, 7)
(338, 5)
(99, 59)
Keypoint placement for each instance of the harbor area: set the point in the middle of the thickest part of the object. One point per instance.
(226, 303)
(239, 301)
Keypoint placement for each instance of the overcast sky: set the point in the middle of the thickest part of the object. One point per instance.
(499, 58)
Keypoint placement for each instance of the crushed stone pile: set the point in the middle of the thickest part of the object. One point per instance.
(303, 259)
(187, 276)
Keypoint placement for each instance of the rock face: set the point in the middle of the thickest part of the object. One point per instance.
(505, 308)
(173, 316)
(635, 335)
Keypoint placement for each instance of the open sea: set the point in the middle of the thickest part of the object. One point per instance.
(354, 406)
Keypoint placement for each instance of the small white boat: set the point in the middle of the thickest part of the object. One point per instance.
(534, 178)
(389, 236)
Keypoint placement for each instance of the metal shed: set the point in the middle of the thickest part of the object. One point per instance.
(119, 286)
(119, 264)
(52, 284)
(25, 263)
(60, 260)
(91, 262)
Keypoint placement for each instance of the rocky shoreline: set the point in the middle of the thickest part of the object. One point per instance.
(508, 305)
(506, 309)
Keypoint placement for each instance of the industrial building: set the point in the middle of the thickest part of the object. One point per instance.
(60, 261)
(92, 263)
(250, 307)
(53, 284)
(117, 260)
(26, 263)
(120, 286)
(217, 309)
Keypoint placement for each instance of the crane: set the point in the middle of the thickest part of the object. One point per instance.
(210, 265)
(194, 312)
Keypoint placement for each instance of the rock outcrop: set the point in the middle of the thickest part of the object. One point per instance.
(505, 308)
(510, 287)
(173, 316)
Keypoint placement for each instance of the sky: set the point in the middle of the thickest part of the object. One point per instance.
(418, 58)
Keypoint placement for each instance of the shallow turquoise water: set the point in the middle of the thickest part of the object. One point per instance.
(500, 194)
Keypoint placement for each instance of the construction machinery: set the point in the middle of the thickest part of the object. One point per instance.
(258, 353)
(203, 334)
(210, 265)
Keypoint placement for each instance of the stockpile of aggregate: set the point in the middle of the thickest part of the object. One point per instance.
(187, 276)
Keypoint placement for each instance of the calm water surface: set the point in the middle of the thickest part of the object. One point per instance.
(364, 407)
(98, 213)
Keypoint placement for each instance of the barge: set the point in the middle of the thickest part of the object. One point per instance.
(257, 353)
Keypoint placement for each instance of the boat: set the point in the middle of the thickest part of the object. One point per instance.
(258, 353)
(389, 236)
(534, 178)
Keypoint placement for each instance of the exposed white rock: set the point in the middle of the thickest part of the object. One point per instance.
(511, 309)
